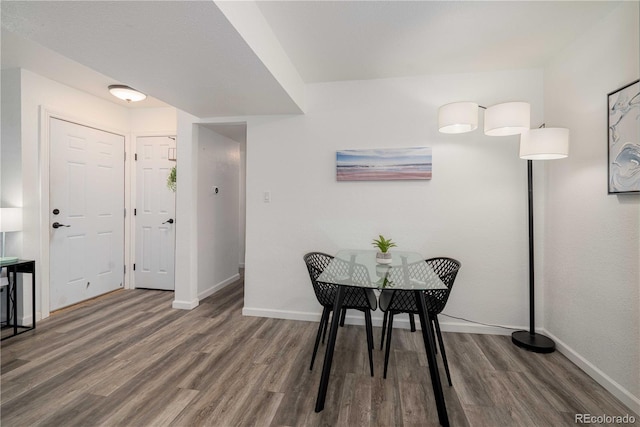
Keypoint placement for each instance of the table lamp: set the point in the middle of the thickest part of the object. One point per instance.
(10, 220)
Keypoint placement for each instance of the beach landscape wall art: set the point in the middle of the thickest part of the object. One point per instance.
(624, 139)
(384, 164)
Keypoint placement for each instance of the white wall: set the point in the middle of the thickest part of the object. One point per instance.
(186, 291)
(10, 174)
(10, 166)
(218, 213)
(474, 209)
(242, 225)
(11, 154)
(154, 120)
(592, 240)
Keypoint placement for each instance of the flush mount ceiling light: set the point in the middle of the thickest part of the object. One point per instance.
(126, 93)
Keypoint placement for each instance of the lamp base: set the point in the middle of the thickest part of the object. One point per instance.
(8, 260)
(536, 343)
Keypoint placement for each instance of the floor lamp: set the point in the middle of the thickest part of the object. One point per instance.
(538, 144)
(512, 118)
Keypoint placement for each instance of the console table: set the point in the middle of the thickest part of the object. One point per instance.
(13, 298)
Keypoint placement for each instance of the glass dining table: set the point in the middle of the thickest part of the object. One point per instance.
(359, 268)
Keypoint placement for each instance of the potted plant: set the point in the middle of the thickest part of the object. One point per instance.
(383, 256)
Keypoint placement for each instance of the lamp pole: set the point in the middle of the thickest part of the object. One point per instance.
(530, 340)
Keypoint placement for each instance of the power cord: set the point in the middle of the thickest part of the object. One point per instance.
(479, 323)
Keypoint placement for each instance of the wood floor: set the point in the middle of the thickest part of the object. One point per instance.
(129, 359)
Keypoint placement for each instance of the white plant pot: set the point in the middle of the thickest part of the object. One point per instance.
(383, 258)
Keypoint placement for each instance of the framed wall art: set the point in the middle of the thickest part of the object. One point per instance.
(383, 164)
(623, 121)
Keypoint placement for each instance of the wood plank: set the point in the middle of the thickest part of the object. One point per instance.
(128, 358)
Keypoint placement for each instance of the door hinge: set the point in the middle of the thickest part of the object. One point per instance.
(135, 157)
(125, 212)
(125, 269)
(134, 266)
(135, 212)
(125, 156)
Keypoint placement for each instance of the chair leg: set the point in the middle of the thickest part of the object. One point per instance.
(386, 353)
(384, 328)
(444, 355)
(433, 331)
(369, 328)
(373, 345)
(342, 316)
(326, 324)
(323, 322)
(412, 321)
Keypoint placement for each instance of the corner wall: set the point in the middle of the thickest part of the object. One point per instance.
(474, 209)
(218, 212)
(592, 240)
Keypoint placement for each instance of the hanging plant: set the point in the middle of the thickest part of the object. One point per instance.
(171, 180)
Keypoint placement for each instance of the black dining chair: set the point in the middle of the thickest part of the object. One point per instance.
(362, 299)
(397, 302)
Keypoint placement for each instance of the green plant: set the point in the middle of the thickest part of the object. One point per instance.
(383, 244)
(171, 180)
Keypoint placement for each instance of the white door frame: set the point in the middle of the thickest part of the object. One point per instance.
(131, 220)
(46, 114)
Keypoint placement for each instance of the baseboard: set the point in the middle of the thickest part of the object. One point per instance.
(26, 320)
(400, 321)
(632, 402)
(215, 288)
(281, 314)
(185, 305)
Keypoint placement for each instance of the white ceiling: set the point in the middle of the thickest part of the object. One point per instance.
(353, 40)
(192, 54)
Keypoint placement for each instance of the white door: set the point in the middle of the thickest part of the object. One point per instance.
(154, 214)
(86, 221)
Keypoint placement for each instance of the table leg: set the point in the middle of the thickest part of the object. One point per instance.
(33, 297)
(8, 313)
(328, 355)
(429, 345)
(14, 285)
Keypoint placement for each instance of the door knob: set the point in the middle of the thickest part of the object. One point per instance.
(170, 221)
(58, 225)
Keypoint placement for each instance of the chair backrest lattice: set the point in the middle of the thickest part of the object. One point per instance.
(318, 262)
(446, 270)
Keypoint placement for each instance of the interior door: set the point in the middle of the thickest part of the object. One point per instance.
(155, 214)
(86, 196)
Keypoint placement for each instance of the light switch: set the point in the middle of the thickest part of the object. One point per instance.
(267, 196)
